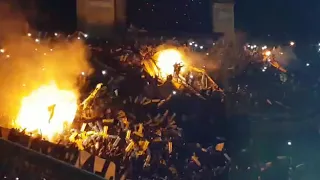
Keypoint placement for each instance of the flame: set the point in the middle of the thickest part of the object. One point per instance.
(272, 61)
(267, 53)
(36, 115)
(166, 61)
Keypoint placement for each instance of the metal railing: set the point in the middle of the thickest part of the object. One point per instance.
(19, 162)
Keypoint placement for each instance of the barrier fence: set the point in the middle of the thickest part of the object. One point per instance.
(20, 151)
(20, 162)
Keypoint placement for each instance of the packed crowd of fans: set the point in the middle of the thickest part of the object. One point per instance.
(152, 129)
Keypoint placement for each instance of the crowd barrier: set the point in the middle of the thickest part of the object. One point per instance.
(34, 147)
(21, 162)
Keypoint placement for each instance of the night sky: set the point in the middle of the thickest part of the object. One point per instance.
(282, 19)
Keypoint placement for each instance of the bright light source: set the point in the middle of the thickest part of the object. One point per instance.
(2, 50)
(289, 143)
(55, 34)
(268, 53)
(79, 38)
(201, 47)
(174, 92)
(307, 64)
(37, 40)
(196, 45)
(166, 61)
(292, 43)
(104, 72)
(85, 35)
(29, 34)
(190, 44)
(82, 73)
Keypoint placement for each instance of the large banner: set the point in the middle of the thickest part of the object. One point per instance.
(99, 12)
(106, 168)
(96, 17)
(101, 3)
(223, 18)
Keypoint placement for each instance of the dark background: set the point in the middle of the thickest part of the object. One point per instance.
(279, 20)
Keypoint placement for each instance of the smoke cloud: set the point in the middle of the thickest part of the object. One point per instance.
(28, 63)
(284, 55)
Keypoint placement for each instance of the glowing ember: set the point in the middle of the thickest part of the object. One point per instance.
(166, 61)
(47, 110)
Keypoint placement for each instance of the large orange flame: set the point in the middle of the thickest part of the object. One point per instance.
(166, 61)
(47, 111)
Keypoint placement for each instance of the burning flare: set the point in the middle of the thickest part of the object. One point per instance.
(47, 110)
(166, 61)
